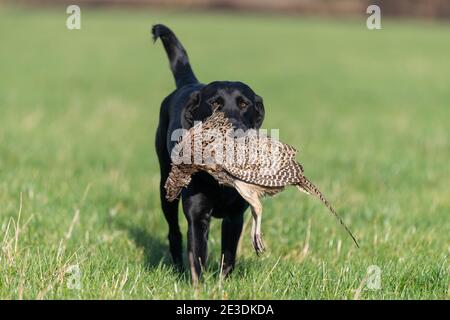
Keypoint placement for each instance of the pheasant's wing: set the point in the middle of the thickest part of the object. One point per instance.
(264, 161)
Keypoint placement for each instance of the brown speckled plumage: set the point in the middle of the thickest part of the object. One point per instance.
(255, 166)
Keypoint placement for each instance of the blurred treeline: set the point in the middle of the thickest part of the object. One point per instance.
(408, 8)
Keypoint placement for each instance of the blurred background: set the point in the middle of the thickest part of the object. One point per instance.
(431, 9)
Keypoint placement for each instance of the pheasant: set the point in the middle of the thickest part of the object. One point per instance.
(254, 164)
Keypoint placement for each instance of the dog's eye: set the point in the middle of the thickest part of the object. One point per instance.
(216, 104)
(242, 104)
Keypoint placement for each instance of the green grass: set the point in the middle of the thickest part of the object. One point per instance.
(368, 110)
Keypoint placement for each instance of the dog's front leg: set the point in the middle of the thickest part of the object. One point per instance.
(231, 233)
(198, 216)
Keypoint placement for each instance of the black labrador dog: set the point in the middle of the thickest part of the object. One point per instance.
(204, 197)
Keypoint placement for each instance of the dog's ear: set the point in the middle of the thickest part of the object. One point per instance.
(259, 107)
(187, 114)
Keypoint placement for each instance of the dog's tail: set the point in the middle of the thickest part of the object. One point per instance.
(309, 188)
(178, 58)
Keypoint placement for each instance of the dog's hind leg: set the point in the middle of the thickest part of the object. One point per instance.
(170, 210)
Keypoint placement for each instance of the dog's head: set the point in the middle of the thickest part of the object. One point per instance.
(240, 104)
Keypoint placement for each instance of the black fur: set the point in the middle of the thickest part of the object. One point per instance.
(203, 198)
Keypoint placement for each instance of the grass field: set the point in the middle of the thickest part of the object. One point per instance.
(368, 110)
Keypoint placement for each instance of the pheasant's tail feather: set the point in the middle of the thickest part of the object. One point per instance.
(302, 189)
(308, 187)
